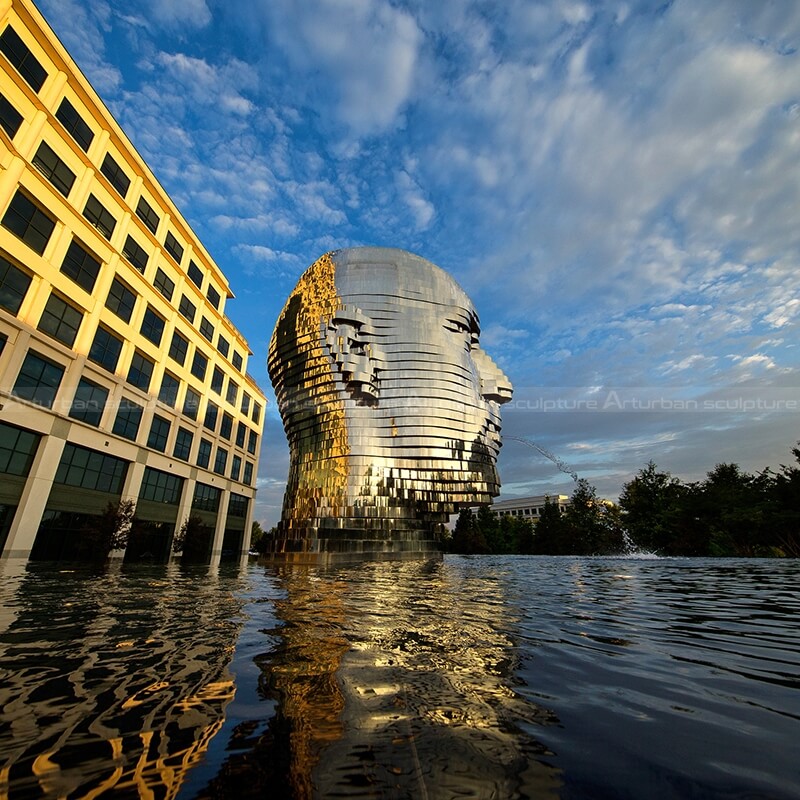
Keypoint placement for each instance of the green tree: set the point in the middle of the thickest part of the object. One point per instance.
(109, 530)
(256, 536)
(193, 540)
(785, 511)
(552, 535)
(467, 537)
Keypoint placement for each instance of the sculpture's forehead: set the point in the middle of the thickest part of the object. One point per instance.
(370, 271)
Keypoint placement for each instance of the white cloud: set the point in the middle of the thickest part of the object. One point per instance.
(179, 13)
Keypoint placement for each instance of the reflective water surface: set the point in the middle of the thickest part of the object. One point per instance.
(486, 677)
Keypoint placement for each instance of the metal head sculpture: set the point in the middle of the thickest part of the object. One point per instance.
(390, 406)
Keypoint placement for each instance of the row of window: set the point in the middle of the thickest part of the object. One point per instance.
(60, 175)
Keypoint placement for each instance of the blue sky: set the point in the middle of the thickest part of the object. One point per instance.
(616, 185)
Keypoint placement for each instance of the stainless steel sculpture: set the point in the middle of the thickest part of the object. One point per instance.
(390, 407)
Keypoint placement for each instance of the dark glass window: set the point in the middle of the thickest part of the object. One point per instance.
(204, 453)
(236, 468)
(10, 118)
(252, 443)
(147, 214)
(159, 433)
(19, 54)
(223, 345)
(115, 174)
(136, 254)
(226, 426)
(213, 297)
(191, 403)
(187, 308)
(237, 361)
(152, 326)
(256, 413)
(26, 220)
(80, 265)
(237, 504)
(232, 393)
(38, 380)
(195, 274)
(161, 487)
(206, 498)
(14, 285)
(178, 348)
(241, 432)
(168, 393)
(217, 379)
(164, 283)
(183, 444)
(199, 365)
(121, 300)
(248, 473)
(128, 419)
(17, 449)
(140, 371)
(245, 403)
(221, 461)
(89, 402)
(69, 117)
(99, 216)
(212, 413)
(89, 469)
(207, 329)
(105, 349)
(173, 247)
(54, 169)
(60, 320)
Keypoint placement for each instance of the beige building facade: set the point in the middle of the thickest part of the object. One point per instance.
(121, 376)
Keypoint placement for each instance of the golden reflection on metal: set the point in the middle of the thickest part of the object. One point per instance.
(391, 408)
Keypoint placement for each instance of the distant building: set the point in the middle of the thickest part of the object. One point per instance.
(121, 377)
(529, 508)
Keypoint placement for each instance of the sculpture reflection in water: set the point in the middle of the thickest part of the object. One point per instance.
(390, 407)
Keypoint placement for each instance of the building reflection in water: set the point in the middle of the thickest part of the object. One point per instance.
(113, 681)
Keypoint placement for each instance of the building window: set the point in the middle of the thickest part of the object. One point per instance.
(217, 380)
(26, 220)
(105, 349)
(53, 168)
(121, 300)
(206, 498)
(212, 412)
(252, 443)
(152, 326)
(19, 54)
(187, 308)
(168, 393)
(191, 403)
(237, 505)
(195, 274)
(161, 487)
(89, 402)
(204, 453)
(17, 450)
(147, 214)
(213, 297)
(207, 329)
(248, 473)
(173, 247)
(60, 320)
(164, 283)
(237, 361)
(10, 118)
(159, 433)
(116, 177)
(140, 371)
(80, 265)
(129, 417)
(236, 468)
(135, 253)
(68, 116)
(199, 365)
(221, 461)
(14, 285)
(99, 216)
(241, 433)
(178, 348)
(223, 345)
(38, 380)
(89, 469)
(233, 392)
(183, 444)
(245, 403)
(226, 426)
(256, 413)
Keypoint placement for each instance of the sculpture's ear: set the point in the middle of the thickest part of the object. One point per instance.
(348, 339)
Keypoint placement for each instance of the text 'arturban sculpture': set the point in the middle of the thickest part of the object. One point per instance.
(390, 407)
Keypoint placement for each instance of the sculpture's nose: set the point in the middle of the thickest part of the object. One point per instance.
(495, 384)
